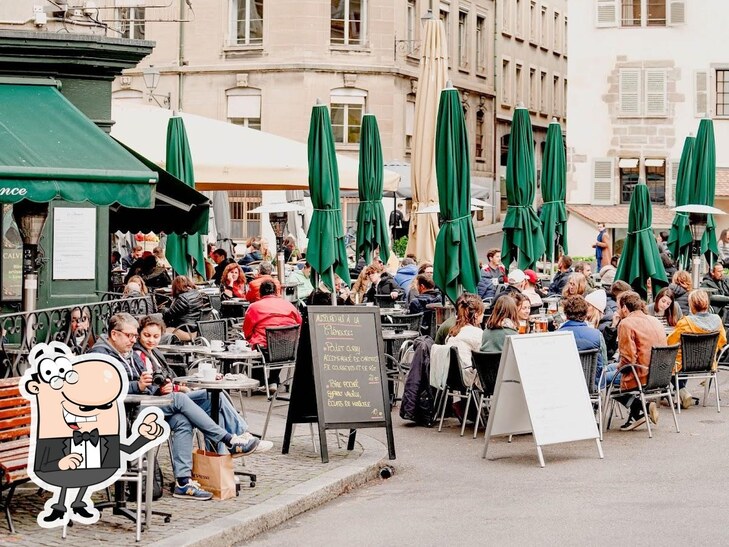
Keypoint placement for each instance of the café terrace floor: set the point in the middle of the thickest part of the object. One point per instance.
(286, 486)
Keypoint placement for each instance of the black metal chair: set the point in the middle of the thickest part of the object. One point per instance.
(215, 302)
(384, 301)
(456, 386)
(588, 358)
(698, 356)
(657, 386)
(486, 364)
(280, 352)
(215, 329)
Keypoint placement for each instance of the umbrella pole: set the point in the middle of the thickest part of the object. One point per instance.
(334, 287)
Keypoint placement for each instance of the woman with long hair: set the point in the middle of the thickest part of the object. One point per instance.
(363, 283)
(135, 287)
(466, 334)
(523, 311)
(185, 310)
(232, 282)
(576, 285)
(502, 323)
(665, 308)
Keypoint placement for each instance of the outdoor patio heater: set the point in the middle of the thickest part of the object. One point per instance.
(698, 216)
(30, 218)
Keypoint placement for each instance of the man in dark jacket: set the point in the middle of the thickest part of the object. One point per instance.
(716, 280)
(560, 279)
(492, 275)
(383, 284)
(427, 294)
(220, 257)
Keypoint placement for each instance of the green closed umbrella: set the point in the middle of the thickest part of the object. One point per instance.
(679, 238)
(554, 173)
(703, 182)
(456, 260)
(523, 240)
(640, 259)
(371, 225)
(180, 249)
(326, 251)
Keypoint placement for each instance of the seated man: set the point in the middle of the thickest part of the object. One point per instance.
(269, 311)
(638, 333)
(492, 274)
(560, 279)
(263, 275)
(406, 273)
(302, 278)
(220, 257)
(586, 336)
(182, 414)
(717, 281)
(517, 283)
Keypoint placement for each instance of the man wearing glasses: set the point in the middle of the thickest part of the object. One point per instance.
(183, 414)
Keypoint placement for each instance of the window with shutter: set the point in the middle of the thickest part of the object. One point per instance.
(656, 100)
(674, 180)
(701, 93)
(630, 92)
(676, 12)
(606, 13)
(602, 180)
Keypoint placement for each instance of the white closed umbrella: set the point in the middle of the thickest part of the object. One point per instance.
(431, 81)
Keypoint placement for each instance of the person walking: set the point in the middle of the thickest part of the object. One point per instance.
(602, 246)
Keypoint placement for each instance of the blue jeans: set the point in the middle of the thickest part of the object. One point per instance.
(189, 411)
(611, 375)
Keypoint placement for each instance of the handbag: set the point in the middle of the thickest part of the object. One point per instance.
(215, 474)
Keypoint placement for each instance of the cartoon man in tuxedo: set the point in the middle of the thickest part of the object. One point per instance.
(78, 428)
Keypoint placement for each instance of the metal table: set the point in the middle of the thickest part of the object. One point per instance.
(390, 336)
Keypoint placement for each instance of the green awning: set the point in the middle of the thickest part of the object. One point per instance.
(177, 208)
(49, 149)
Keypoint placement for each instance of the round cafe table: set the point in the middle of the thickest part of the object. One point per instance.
(390, 336)
(214, 387)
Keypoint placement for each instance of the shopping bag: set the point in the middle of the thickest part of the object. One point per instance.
(214, 472)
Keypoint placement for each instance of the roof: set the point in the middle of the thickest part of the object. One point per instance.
(49, 149)
(616, 216)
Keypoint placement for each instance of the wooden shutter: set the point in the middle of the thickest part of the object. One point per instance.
(606, 13)
(656, 100)
(676, 12)
(674, 180)
(701, 93)
(603, 179)
(630, 92)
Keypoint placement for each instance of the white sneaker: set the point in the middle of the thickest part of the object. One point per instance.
(272, 388)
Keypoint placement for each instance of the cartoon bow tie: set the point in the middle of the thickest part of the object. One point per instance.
(79, 437)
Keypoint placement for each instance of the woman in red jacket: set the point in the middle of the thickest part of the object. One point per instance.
(269, 311)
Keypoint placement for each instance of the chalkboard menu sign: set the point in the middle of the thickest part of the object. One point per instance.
(349, 374)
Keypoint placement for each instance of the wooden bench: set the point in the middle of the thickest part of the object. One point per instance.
(14, 443)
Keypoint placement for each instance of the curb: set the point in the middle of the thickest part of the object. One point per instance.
(489, 229)
(246, 524)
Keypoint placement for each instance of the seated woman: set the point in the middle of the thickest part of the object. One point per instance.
(135, 287)
(232, 282)
(699, 321)
(185, 310)
(665, 308)
(576, 285)
(587, 337)
(523, 311)
(427, 294)
(502, 323)
(466, 334)
(362, 283)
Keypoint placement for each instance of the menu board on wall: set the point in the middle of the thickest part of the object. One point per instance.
(74, 243)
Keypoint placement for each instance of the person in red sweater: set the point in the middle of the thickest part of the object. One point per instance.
(269, 311)
(264, 274)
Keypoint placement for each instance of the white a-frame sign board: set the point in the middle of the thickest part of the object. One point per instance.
(541, 389)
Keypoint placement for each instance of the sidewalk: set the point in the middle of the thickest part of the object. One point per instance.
(489, 229)
(287, 485)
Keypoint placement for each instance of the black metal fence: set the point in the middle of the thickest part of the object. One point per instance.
(78, 326)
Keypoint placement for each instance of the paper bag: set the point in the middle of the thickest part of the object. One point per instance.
(214, 472)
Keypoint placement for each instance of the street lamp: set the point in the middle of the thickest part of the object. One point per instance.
(151, 77)
(698, 216)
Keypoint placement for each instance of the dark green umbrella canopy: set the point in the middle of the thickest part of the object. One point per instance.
(456, 260)
(371, 224)
(640, 259)
(679, 238)
(326, 250)
(180, 248)
(703, 182)
(523, 239)
(554, 173)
